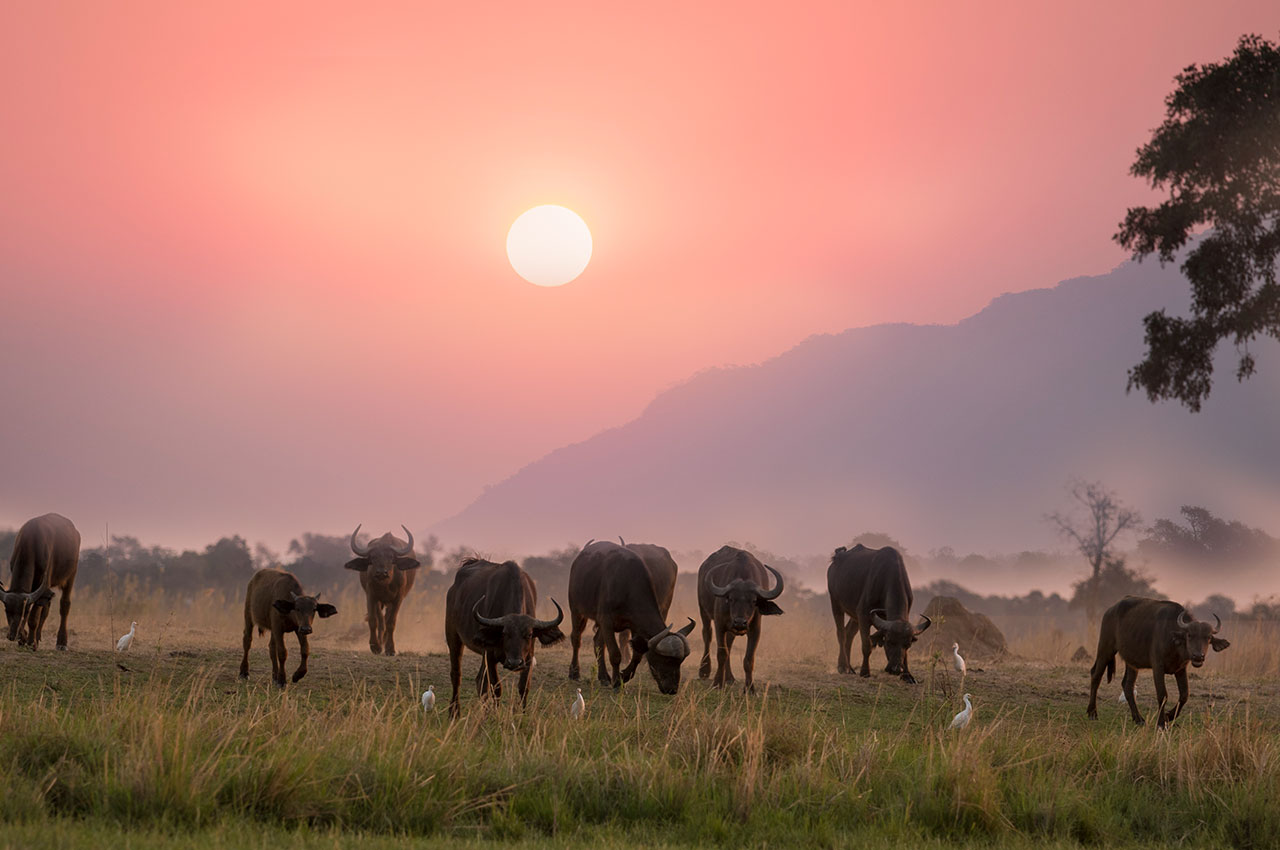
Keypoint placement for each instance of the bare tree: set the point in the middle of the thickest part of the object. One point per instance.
(1094, 531)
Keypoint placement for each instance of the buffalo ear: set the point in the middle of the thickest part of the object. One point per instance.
(45, 598)
(407, 563)
(877, 638)
(360, 564)
(1219, 644)
(324, 609)
(284, 606)
(549, 635)
(767, 606)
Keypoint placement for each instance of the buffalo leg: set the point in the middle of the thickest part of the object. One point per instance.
(455, 671)
(704, 668)
(864, 631)
(1095, 678)
(523, 686)
(615, 655)
(598, 643)
(304, 649)
(1131, 676)
(375, 626)
(577, 624)
(724, 643)
(749, 659)
(278, 655)
(491, 672)
(391, 613)
(64, 608)
(906, 674)
(248, 640)
(1162, 697)
(842, 652)
(1181, 678)
(638, 648)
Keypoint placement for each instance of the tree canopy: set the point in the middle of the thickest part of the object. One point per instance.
(1218, 155)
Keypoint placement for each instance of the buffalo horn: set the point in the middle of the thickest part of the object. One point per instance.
(35, 594)
(777, 588)
(355, 547)
(1184, 620)
(716, 590)
(658, 638)
(927, 624)
(1219, 622)
(546, 624)
(408, 547)
(483, 620)
(879, 622)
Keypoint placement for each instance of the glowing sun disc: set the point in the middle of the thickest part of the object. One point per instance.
(549, 245)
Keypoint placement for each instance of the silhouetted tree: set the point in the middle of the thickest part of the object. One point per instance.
(1205, 537)
(1094, 532)
(1110, 584)
(1218, 153)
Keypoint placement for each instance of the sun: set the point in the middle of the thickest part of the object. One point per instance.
(549, 245)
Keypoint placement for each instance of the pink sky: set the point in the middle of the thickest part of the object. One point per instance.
(253, 259)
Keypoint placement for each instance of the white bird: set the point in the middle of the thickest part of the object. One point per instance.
(962, 719)
(1122, 699)
(122, 645)
(958, 661)
(429, 698)
(579, 706)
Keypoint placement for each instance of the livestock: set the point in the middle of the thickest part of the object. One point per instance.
(386, 568)
(871, 588)
(274, 602)
(490, 609)
(730, 593)
(46, 554)
(613, 586)
(1152, 634)
(662, 572)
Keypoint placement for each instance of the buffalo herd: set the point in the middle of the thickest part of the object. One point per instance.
(626, 590)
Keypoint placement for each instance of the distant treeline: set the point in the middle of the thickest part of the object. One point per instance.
(317, 560)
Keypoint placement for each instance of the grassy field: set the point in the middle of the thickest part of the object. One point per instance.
(165, 746)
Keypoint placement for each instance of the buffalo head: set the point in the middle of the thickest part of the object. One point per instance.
(18, 605)
(896, 636)
(746, 599)
(1194, 637)
(665, 652)
(382, 557)
(304, 609)
(514, 634)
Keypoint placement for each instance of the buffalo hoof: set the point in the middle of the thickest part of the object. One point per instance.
(617, 684)
(866, 674)
(375, 649)
(1139, 722)
(388, 651)
(280, 684)
(909, 679)
(1092, 712)
(244, 674)
(574, 675)
(62, 647)
(298, 675)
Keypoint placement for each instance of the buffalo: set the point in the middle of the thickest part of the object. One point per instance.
(490, 609)
(662, 571)
(46, 554)
(386, 568)
(274, 601)
(731, 593)
(871, 587)
(1151, 634)
(614, 586)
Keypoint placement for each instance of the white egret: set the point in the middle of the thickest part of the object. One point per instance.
(122, 645)
(579, 707)
(957, 661)
(429, 698)
(962, 719)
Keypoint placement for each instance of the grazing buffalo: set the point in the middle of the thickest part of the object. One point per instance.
(614, 586)
(731, 592)
(1154, 634)
(274, 601)
(386, 568)
(872, 588)
(490, 610)
(662, 571)
(46, 553)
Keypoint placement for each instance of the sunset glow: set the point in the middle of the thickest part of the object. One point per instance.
(549, 245)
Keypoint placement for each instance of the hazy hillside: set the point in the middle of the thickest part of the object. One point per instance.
(958, 435)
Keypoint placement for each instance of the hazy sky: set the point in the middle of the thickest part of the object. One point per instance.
(252, 255)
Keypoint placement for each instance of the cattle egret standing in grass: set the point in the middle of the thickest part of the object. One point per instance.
(957, 661)
(429, 698)
(1122, 699)
(579, 706)
(962, 719)
(122, 645)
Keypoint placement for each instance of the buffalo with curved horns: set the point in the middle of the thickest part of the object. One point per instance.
(386, 568)
(46, 554)
(1151, 634)
(731, 593)
(490, 609)
(871, 587)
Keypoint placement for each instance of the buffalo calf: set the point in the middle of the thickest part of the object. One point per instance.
(275, 602)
